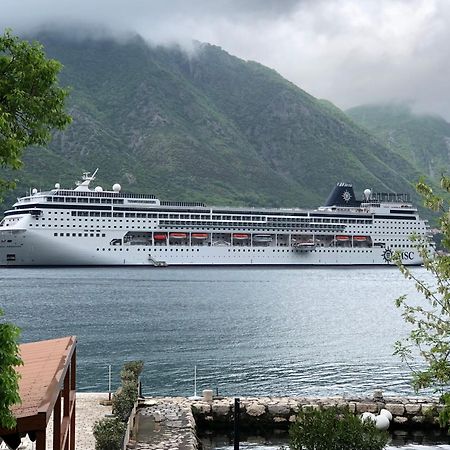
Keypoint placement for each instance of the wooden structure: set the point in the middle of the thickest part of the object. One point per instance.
(47, 386)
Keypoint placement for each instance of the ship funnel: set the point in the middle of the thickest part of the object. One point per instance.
(342, 195)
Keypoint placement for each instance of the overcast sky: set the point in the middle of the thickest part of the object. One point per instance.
(348, 51)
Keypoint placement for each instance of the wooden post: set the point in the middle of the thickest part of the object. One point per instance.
(40, 440)
(73, 384)
(57, 424)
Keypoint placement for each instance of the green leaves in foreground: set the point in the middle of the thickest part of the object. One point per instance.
(429, 317)
(334, 429)
(9, 378)
(429, 314)
(31, 102)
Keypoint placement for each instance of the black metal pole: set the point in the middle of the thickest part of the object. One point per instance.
(237, 412)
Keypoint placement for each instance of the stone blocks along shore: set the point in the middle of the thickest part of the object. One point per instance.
(263, 413)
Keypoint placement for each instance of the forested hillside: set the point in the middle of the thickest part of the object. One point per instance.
(203, 126)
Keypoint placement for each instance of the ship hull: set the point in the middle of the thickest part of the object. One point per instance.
(30, 248)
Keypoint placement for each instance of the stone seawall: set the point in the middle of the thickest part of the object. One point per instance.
(263, 413)
(172, 422)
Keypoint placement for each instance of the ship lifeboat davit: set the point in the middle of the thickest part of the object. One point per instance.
(160, 237)
(200, 236)
(342, 238)
(178, 235)
(240, 236)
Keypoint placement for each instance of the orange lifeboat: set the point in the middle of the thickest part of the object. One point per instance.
(200, 236)
(178, 235)
(342, 238)
(360, 238)
(240, 236)
(160, 237)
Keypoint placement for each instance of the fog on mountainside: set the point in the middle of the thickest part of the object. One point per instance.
(422, 139)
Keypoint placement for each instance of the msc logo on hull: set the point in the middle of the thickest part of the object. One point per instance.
(405, 255)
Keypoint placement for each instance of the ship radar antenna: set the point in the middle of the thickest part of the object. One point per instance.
(87, 178)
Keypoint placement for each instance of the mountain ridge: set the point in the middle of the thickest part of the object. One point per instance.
(204, 127)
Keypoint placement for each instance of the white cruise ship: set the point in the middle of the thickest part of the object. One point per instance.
(84, 226)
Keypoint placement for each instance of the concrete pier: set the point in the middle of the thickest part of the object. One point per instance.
(164, 423)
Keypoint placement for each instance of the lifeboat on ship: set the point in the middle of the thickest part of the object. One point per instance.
(360, 238)
(160, 236)
(306, 244)
(200, 236)
(342, 238)
(178, 235)
(240, 236)
(262, 238)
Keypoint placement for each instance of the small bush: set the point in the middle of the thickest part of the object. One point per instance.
(108, 433)
(334, 429)
(123, 400)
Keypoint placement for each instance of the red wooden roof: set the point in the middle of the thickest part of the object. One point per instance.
(41, 380)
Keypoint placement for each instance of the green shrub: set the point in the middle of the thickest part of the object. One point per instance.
(108, 433)
(135, 367)
(123, 400)
(334, 429)
(127, 376)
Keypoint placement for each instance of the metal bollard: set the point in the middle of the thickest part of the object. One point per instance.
(237, 412)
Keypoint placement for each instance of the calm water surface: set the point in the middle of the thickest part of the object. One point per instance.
(280, 331)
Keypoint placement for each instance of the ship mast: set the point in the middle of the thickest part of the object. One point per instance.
(87, 178)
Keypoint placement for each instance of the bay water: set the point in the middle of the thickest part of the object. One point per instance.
(249, 331)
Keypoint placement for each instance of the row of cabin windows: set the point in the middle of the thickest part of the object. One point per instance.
(175, 223)
(254, 250)
(242, 218)
(80, 234)
(234, 250)
(237, 250)
(209, 224)
(114, 201)
(269, 219)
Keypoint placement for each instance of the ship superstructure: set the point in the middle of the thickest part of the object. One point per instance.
(84, 226)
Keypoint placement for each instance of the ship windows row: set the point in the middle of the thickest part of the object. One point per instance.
(114, 201)
(280, 221)
(305, 226)
(80, 234)
(113, 214)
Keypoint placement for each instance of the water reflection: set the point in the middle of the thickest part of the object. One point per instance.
(400, 440)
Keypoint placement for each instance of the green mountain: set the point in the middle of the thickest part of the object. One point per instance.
(422, 139)
(203, 126)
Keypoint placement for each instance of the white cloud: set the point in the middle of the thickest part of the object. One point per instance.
(348, 51)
